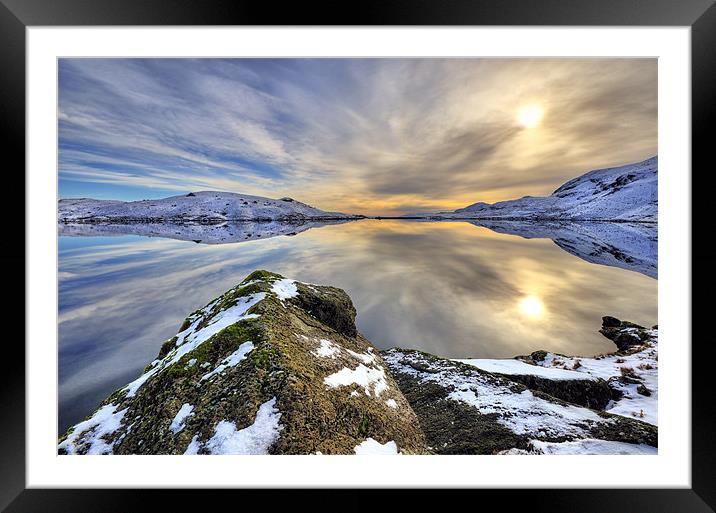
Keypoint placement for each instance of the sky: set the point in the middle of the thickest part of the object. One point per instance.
(364, 136)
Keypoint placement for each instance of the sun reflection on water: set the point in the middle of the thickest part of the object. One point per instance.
(532, 307)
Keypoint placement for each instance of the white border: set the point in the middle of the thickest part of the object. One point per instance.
(670, 468)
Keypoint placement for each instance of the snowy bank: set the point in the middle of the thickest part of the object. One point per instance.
(543, 403)
(464, 409)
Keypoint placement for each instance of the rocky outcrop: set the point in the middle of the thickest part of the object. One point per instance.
(466, 410)
(631, 372)
(624, 334)
(623, 382)
(273, 366)
(540, 403)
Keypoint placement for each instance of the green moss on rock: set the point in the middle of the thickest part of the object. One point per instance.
(282, 364)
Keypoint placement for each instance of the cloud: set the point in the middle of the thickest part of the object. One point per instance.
(375, 136)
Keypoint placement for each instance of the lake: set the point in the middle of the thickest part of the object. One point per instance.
(453, 289)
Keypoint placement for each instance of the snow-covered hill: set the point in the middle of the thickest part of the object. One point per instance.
(624, 193)
(196, 207)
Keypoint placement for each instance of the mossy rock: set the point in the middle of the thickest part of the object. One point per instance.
(261, 382)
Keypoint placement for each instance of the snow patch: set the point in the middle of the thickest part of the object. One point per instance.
(524, 413)
(284, 289)
(591, 446)
(520, 368)
(365, 358)
(178, 422)
(194, 446)
(363, 376)
(230, 361)
(254, 439)
(327, 349)
(370, 447)
(105, 421)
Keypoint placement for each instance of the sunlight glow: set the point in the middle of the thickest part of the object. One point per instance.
(531, 306)
(530, 116)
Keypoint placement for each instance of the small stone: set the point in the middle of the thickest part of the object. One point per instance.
(610, 322)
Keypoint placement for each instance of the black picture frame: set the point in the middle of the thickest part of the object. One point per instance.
(17, 15)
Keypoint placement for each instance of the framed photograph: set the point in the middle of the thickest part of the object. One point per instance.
(272, 249)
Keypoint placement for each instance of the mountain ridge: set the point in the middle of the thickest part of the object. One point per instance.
(205, 207)
(625, 193)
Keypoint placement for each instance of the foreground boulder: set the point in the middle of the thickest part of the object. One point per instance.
(466, 410)
(273, 366)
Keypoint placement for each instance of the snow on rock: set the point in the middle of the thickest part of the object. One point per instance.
(371, 447)
(592, 447)
(524, 413)
(632, 372)
(629, 375)
(326, 348)
(284, 289)
(91, 432)
(623, 193)
(520, 368)
(367, 358)
(254, 439)
(466, 410)
(230, 361)
(193, 447)
(369, 378)
(178, 421)
(205, 207)
(519, 410)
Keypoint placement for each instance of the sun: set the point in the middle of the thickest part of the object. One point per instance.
(531, 306)
(530, 116)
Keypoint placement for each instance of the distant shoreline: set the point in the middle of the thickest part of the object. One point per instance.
(355, 217)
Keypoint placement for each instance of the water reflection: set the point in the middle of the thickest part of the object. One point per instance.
(632, 246)
(223, 233)
(453, 289)
(532, 307)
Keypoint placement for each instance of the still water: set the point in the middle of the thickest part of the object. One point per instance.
(449, 288)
